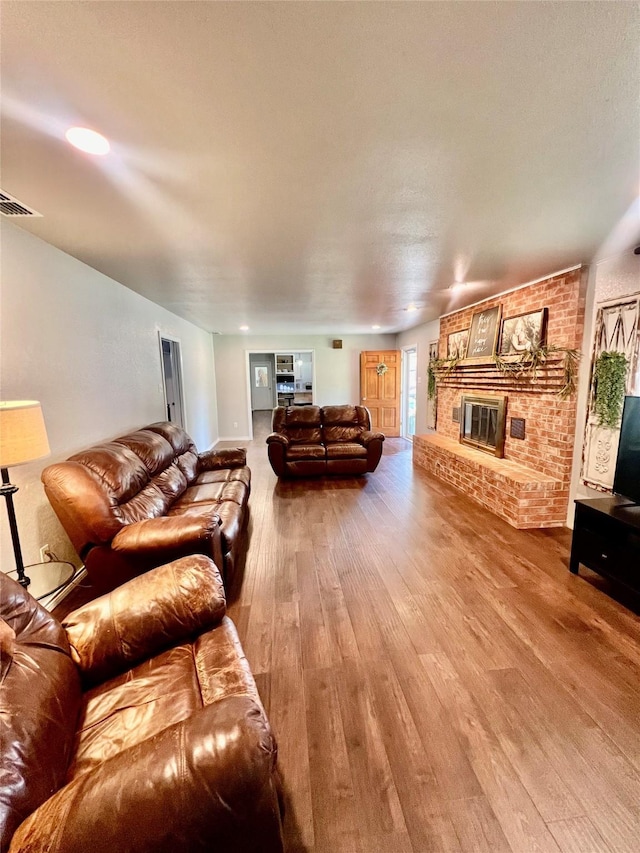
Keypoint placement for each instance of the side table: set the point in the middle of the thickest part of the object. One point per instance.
(47, 578)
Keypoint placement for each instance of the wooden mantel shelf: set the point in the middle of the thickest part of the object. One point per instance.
(484, 375)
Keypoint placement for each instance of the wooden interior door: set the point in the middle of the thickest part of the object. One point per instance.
(380, 393)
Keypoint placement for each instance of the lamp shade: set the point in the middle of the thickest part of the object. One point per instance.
(23, 436)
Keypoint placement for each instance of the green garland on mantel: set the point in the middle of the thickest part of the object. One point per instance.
(444, 365)
(610, 374)
(523, 367)
(528, 364)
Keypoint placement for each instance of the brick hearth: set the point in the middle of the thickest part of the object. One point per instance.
(523, 497)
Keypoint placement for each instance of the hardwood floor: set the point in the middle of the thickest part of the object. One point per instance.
(436, 679)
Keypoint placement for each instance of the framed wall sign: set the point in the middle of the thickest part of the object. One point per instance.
(483, 334)
(523, 332)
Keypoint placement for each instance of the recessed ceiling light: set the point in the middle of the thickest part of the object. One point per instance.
(457, 285)
(375, 327)
(244, 328)
(411, 307)
(87, 140)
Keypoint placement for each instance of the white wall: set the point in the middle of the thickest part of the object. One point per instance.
(610, 278)
(87, 348)
(420, 336)
(337, 371)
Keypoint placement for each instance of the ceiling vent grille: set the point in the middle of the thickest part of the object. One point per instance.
(10, 206)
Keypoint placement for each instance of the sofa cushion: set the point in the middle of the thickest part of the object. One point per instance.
(208, 492)
(183, 447)
(204, 493)
(177, 437)
(346, 450)
(171, 482)
(306, 451)
(301, 424)
(343, 423)
(152, 449)
(302, 416)
(298, 435)
(119, 471)
(114, 485)
(225, 475)
(150, 502)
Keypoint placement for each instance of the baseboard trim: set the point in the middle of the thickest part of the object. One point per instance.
(233, 438)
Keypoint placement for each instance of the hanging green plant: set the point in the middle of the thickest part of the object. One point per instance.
(610, 375)
(444, 366)
(431, 381)
(439, 367)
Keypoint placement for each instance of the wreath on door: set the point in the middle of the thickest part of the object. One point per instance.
(381, 368)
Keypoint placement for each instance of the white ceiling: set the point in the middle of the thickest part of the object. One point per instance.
(316, 167)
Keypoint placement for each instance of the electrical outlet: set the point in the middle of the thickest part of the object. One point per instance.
(235, 424)
(44, 554)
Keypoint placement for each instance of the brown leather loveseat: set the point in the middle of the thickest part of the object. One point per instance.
(148, 498)
(310, 440)
(135, 725)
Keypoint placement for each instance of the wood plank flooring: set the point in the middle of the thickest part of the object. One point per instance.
(437, 680)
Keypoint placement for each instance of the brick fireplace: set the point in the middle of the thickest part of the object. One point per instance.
(529, 487)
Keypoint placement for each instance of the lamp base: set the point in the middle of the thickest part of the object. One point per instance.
(8, 490)
(23, 580)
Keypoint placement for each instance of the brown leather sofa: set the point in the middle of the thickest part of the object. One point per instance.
(148, 498)
(310, 440)
(135, 725)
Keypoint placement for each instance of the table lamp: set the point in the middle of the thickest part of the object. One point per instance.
(23, 438)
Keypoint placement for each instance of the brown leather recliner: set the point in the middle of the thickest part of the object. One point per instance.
(135, 725)
(310, 440)
(148, 498)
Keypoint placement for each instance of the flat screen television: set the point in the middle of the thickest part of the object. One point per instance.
(626, 481)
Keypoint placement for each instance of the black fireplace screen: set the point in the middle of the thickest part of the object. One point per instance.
(482, 423)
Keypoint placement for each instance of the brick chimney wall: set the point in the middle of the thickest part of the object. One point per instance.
(550, 422)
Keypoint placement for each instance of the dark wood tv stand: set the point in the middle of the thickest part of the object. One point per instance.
(606, 538)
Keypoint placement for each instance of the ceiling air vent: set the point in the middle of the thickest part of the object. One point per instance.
(10, 206)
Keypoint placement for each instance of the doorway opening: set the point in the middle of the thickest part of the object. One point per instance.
(171, 359)
(278, 378)
(410, 376)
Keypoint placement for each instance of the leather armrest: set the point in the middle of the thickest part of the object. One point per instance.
(368, 436)
(278, 438)
(213, 460)
(156, 610)
(206, 782)
(168, 537)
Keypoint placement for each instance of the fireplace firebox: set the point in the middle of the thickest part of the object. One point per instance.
(482, 423)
